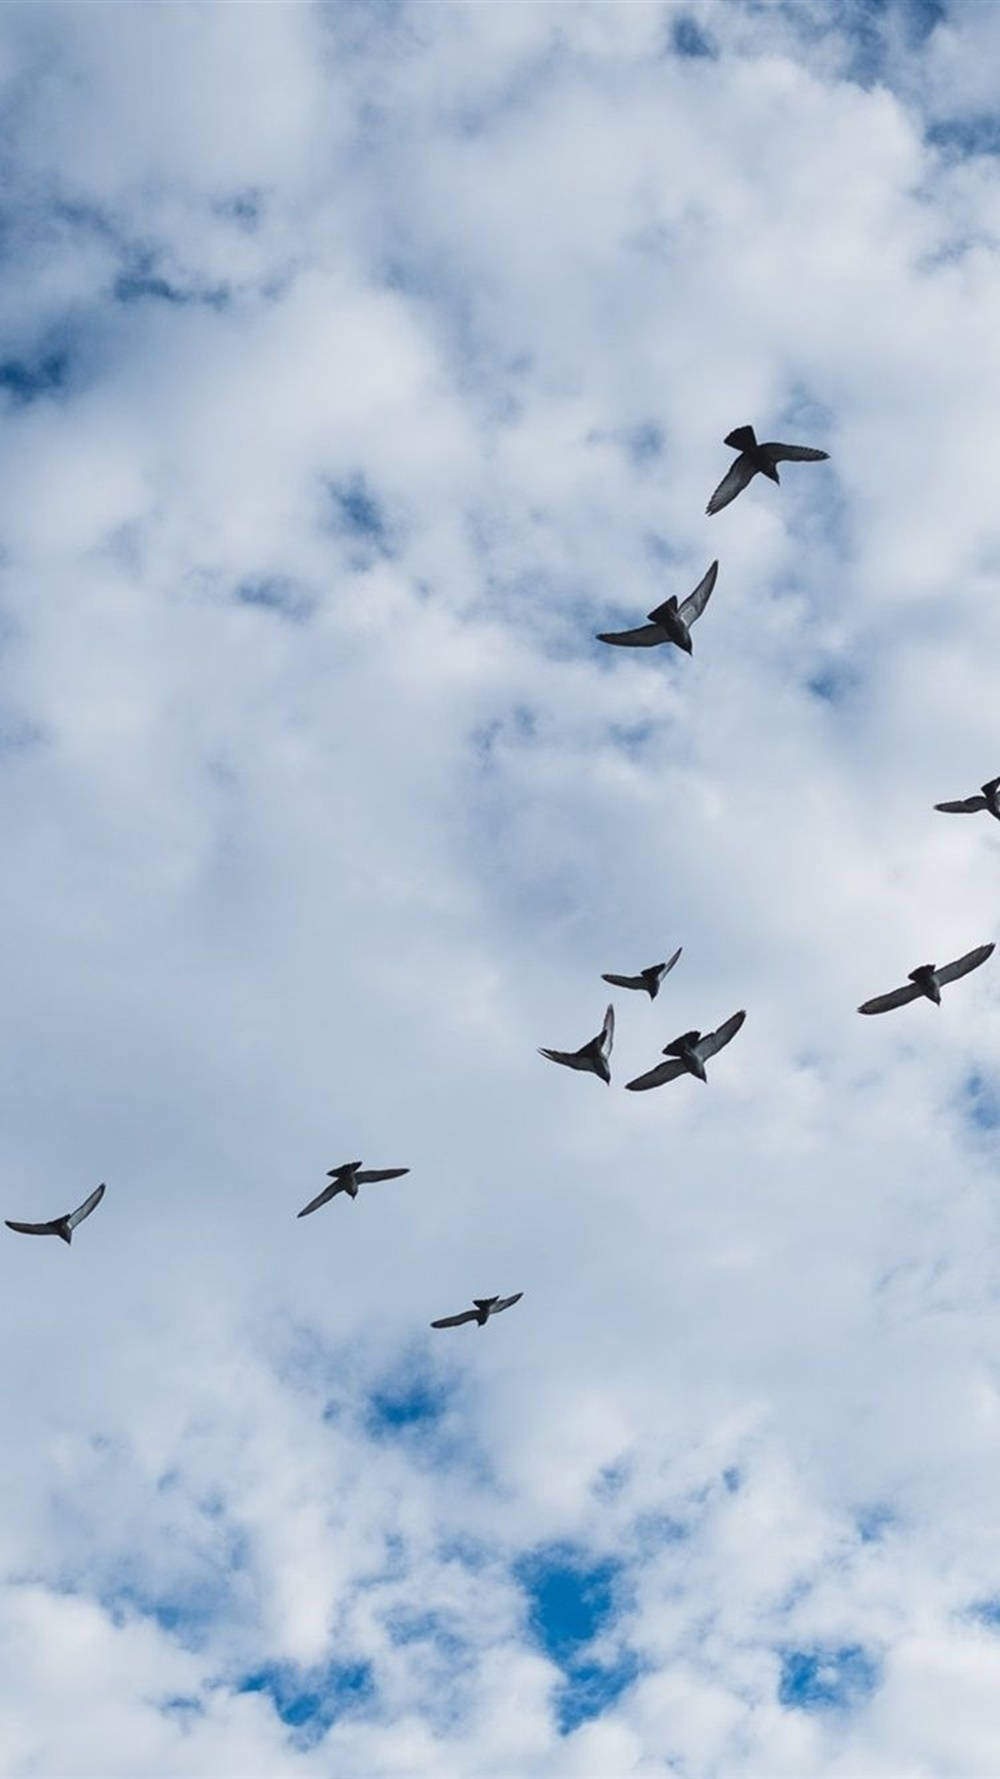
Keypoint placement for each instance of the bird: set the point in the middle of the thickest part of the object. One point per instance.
(63, 1227)
(649, 979)
(688, 1055)
(989, 798)
(347, 1178)
(485, 1308)
(755, 459)
(927, 980)
(669, 622)
(592, 1056)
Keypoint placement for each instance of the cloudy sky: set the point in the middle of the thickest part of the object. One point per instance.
(358, 364)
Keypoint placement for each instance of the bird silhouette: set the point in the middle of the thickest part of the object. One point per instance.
(669, 622)
(989, 798)
(347, 1178)
(648, 979)
(593, 1056)
(485, 1308)
(688, 1054)
(927, 981)
(754, 460)
(63, 1227)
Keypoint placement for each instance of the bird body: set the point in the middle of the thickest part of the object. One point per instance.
(688, 1054)
(756, 459)
(347, 1178)
(648, 979)
(485, 1308)
(988, 799)
(63, 1227)
(669, 622)
(592, 1057)
(927, 981)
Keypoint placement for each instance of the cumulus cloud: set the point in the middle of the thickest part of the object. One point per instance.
(358, 365)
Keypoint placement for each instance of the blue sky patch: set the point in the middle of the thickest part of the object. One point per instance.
(276, 593)
(359, 515)
(827, 1679)
(981, 1101)
(572, 1599)
(414, 1402)
(645, 443)
(688, 39)
(310, 1700)
(25, 380)
(874, 1522)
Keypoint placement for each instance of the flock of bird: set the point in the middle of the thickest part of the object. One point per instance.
(687, 1055)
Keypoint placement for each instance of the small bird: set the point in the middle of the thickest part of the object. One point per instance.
(592, 1056)
(688, 1055)
(669, 622)
(928, 981)
(347, 1178)
(63, 1227)
(485, 1308)
(989, 799)
(649, 979)
(755, 459)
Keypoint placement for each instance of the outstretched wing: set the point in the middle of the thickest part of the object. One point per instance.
(695, 603)
(88, 1205)
(742, 438)
(898, 998)
(794, 453)
(964, 806)
(668, 966)
(505, 1303)
(646, 637)
(713, 1042)
(322, 1198)
(664, 1071)
(622, 981)
(733, 482)
(34, 1228)
(962, 965)
(606, 1035)
(456, 1321)
(382, 1173)
(571, 1058)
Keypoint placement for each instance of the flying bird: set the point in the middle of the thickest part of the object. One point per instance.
(928, 981)
(485, 1308)
(592, 1056)
(347, 1178)
(669, 622)
(989, 798)
(649, 979)
(755, 459)
(688, 1054)
(63, 1227)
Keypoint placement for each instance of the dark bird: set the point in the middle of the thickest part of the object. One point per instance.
(592, 1056)
(649, 979)
(753, 460)
(63, 1227)
(485, 1308)
(688, 1055)
(928, 981)
(989, 798)
(347, 1178)
(669, 622)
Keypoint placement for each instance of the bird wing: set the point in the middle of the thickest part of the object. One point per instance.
(382, 1173)
(455, 1321)
(571, 1058)
(34, 1228)
(713, 1042)
(696, 602)
(606, 1035)
(505, 1303)
(733, 482)
(742, 438)
(898, 998)
(793, 453)
(322, 1198)
(962, 965)
(88, 1205)
(346, 1167)
(963, 806)
(664, 1071)
(623, 981)
(646, 637)
(671, 962)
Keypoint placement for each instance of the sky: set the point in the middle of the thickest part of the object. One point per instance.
(358, 364)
